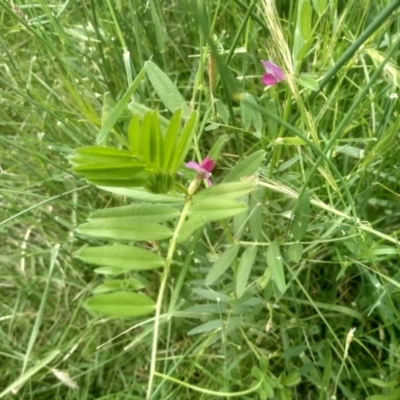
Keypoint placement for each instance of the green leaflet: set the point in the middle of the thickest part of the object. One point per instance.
(275, 264)
(113, 116)
(244, 270)
(245, 167)
(308, 82)
(121, 304)
(166, 89)
(232, 190)
(215, 324)
(143, 212)
(301, 216)
(306, 19)
(250, 113)
(127, 258)
(209, 210)
(222, 264)
(140, 194)
(130, 228)
(295, 252)
(216, 209)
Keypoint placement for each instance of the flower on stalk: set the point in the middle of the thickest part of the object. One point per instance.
(273, 75)
(203, 172)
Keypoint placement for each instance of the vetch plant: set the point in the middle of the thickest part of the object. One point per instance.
(163, 209)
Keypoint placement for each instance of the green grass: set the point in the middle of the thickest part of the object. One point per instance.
(58, 60)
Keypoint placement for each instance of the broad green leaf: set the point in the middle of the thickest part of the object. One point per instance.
(102, 155)
(189, 227)
(103, 172)
(301, 216)
(265, 279)
(291, 379)
(243, 272)
(383, 384)
(215, 151)
(171, 138)
(272, 125)
(320, 6)
(303, 49)
(206, 327)
(121, 304)
(127, 258)
(308, 82)
(245, 167)
(232, 190)
(256, 214)
(290, 141)
(143, 212)
(108, 105)
(209, 308)
(351, 151)
(144, 141)
(134, 134)
(275, 264)
(156, 144)
(240, 221)
(118, 109)
(392, 395)
(244, 111)
(206, 211)
(166, 89)
(184, 143)
(130, 228)
(306, 19)
(211, 127)
(222, 264)
(112, 271)
(222, 111)
(250, 113)
(105, 163)
(143, 195)
(216, 209)
(211, 295)
(295, 252)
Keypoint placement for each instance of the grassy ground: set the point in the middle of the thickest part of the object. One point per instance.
(59, 59)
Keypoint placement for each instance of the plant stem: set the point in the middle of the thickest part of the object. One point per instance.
(160, 298)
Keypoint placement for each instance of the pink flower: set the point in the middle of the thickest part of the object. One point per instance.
(274, 74)
(204, 169)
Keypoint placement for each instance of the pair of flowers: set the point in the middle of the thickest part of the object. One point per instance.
(273, 75)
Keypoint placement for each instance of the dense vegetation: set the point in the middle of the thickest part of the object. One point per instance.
(314, 255)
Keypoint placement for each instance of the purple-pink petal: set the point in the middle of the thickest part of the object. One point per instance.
(273, 69)
(193, 165)
(207, 164)
(269, 80)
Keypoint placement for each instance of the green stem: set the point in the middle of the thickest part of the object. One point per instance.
(160, 298)
(117, 27)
